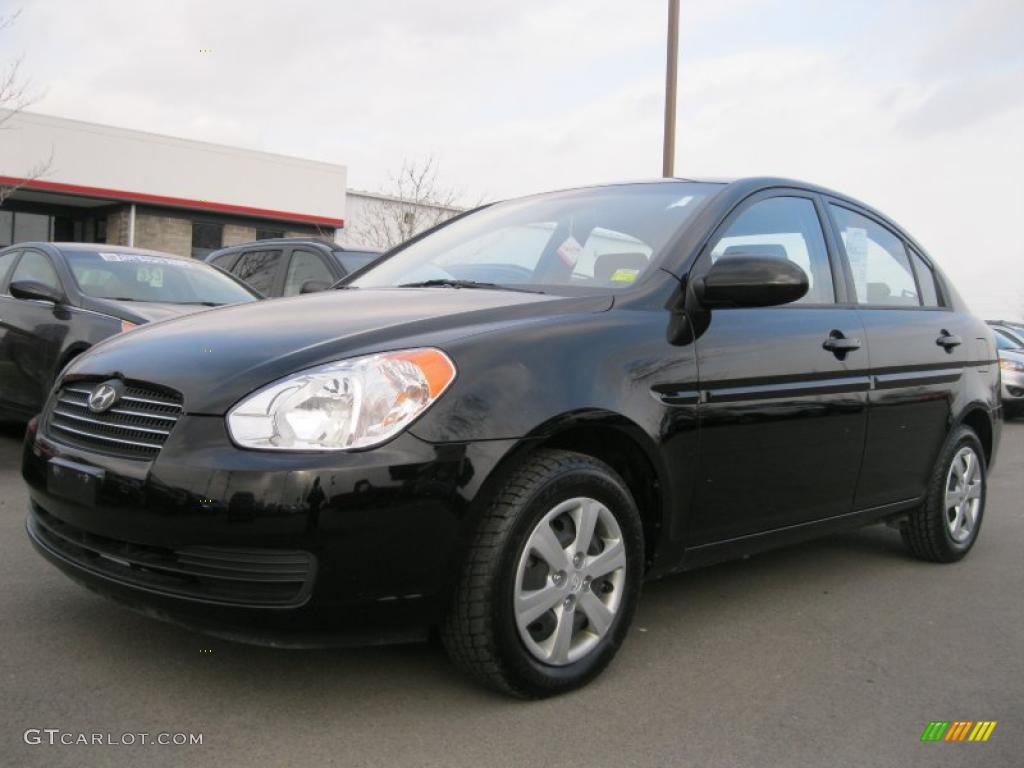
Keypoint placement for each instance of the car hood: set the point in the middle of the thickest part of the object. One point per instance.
(215, 357)
(140, 312)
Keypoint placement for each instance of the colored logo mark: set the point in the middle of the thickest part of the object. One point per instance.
(958, 730)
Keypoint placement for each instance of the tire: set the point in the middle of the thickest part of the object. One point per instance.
(488, 631)
(930, 532)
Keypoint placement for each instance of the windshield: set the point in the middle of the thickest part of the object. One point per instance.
(1005, 341)
(149, 277)
(595, 238)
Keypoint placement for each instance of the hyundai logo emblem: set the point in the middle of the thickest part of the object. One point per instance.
(102, 398)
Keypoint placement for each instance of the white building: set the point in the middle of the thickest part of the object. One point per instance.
(112, 185)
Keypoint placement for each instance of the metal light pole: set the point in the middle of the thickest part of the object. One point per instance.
(668, 159)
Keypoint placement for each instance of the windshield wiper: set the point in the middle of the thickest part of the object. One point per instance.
(199, 303)
(450, 283)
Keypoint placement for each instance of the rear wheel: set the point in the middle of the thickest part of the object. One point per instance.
(946, 526)
(551, 580)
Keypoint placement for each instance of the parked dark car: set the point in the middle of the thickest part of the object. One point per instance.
(291, 266)
(58, 299)
(503, 427)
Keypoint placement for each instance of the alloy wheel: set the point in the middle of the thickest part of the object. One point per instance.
(963, 494)
(570, 581)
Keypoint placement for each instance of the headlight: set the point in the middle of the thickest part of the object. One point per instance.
(355, 403)
(1011, 365)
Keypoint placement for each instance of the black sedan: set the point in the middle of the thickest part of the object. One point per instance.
(59, 299)
(502, 428)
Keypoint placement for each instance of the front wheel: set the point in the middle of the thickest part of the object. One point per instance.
(551, 579)
(946, 526)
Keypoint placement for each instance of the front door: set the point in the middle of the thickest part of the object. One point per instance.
(33, 335)
(783, 389)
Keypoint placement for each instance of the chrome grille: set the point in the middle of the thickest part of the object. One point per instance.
(136, 427)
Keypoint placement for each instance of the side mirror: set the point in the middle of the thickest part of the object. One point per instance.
(31, 289)
(314, 286)
(740, 280)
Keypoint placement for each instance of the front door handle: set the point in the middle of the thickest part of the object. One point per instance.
(839, 345)
(948, 341)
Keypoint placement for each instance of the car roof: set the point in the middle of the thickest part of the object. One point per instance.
(64, 247)
(737, 189)
(329, 244)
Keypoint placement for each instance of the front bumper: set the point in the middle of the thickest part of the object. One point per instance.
(285, 549)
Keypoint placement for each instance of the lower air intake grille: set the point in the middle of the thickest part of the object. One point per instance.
(225, 575)
(136, 427)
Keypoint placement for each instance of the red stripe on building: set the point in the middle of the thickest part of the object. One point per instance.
(179, 202)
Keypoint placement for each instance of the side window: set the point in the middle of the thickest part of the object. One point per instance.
(225, 260)
(36, 266)
(783, 228)
(6, 262)
(305, 266)
(882, 275)
(926, 280)
(258, 269)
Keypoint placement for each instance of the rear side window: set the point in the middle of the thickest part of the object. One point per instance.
(305, 266)
(926, 281)
(36, 266)
(225, 260)
(259, 269)
(784, 228)
(881, 270)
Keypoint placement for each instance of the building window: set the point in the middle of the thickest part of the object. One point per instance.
(207, 236)
(31, 227)
(6, 228)
(269, 234)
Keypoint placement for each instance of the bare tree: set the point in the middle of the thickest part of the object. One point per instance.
(413, 202)
(14, 97)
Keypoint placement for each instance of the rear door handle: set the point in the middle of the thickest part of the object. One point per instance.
(839, 345)
(948, 340)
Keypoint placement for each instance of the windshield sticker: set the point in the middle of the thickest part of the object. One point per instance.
(682, 202)
(624, 275)
(138, 258)
(569, 251)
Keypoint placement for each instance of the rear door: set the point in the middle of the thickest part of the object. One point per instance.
(783, 389)
(917, 349)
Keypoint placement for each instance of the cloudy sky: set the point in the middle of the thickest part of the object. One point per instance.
(915, 106)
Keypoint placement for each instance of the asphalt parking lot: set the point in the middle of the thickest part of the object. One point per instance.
(837, 652)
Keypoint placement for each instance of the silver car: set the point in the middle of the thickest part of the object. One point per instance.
(1011, 369)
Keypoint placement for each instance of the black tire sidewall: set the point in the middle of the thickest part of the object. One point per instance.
(529, 673)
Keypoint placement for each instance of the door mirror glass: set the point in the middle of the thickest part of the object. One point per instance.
(750, 280)
(31, 289)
